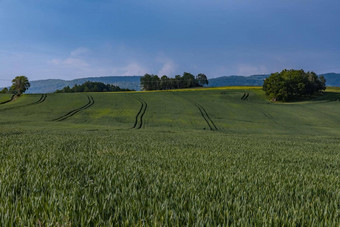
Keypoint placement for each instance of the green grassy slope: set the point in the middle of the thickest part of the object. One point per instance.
(261, 164)
(4, 97)
(223, 110)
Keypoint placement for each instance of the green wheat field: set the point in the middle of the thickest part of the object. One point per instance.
(223, 156)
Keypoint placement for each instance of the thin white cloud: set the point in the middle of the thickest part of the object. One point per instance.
(74, 60)
(246, 70)
(70, 62)
(168, 68)
(79, 51)
(133, 69)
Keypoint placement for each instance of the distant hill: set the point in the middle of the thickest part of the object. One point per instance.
(47, 86)
(255, 80)
(332, 80)
(133, 82)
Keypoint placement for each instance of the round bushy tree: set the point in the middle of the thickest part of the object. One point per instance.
(292, 84)
(19, 85)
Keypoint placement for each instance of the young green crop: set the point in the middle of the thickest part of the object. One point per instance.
(4, 97)
(267, 164)
(135, 177)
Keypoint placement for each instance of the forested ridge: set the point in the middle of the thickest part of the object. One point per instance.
(92, 87)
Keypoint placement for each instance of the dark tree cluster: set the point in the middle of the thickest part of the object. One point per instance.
(91, 87)
(4, 91)
(153, 82)
(293, 84)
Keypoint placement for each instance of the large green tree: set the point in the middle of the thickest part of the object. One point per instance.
(165, 83)
(19, 85)
(292, 84)
(202, 79)
(189, 80)
(146, 82)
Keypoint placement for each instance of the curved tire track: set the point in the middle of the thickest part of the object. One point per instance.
(41, 100)
(7, 101)
(73, 112)
(270, 117)
(139, 112)
(206, 120)
(204, 113)
(143, 112)
(206, 117)
(245, 96)
(139, 117)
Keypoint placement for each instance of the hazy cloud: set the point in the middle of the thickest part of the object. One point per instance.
(246, 70)
(79, 51)
(70, 62)
(133, 69)
(168, 68)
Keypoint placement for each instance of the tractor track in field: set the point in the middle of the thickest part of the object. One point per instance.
(75, 111)
(245, 96)
(7, 101)
(142, 115)
(267, 115)
(206, 117)
(41, 100)
(139, 117)
(270, 117)
(204, 114)
(139, 112)
(206, 120)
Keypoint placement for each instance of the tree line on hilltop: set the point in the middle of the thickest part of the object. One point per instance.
(286, 85)
(91, 87)
(153, 82)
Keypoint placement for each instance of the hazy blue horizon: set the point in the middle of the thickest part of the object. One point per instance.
(76, 39)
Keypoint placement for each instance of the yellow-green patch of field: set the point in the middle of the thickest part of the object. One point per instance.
(333, 89)
(199, 89)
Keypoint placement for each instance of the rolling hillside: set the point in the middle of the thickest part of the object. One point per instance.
(211, 156)
(180, 110)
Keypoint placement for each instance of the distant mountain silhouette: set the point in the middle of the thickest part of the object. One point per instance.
(51, 85)
(133, 82)
(332, 80)
(254, 80)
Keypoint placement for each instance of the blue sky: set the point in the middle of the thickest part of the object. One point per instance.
(69, 39)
